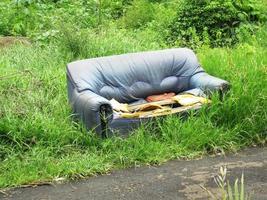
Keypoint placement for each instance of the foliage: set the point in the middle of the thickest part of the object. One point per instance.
(227, 191)
(214, 22)
(84, 43)
(139, 14)
(164, 14)
(33, 18)
(16, 19)
(180, 22)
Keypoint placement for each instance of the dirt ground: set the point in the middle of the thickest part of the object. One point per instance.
(10, 40)
(176, 179)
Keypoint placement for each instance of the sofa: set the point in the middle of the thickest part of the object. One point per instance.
(130, 78)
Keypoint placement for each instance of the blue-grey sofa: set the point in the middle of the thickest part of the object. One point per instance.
(129, 78)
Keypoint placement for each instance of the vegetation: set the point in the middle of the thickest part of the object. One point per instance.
(215, 23)
(38, 139)
(226, 190)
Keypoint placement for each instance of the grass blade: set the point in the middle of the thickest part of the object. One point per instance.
(242, 195)
(230, 192)
(236, 190)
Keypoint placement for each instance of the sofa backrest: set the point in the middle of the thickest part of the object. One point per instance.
(129, 77)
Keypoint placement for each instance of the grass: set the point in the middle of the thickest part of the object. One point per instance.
(227, 191)
(40, 142)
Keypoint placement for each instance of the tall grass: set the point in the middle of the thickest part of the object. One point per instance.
(39, 141)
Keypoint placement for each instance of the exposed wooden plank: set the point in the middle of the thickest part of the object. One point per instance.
(160, 112)
(133, 108)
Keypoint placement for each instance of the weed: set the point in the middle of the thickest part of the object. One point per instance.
(228, 191)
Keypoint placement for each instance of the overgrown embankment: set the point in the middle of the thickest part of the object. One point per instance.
(38, 139)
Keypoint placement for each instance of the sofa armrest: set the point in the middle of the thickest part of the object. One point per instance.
(95, 111)
(208, 83)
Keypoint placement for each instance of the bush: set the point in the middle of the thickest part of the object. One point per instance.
(139, 14)
(164, 15)
(17, 19)
(213, 21)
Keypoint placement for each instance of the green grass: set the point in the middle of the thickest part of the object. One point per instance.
(40, 142)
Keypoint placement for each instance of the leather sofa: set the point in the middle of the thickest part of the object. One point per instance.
(130, 78)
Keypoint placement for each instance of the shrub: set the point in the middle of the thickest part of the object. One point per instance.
(139, 14)
(164, 15)
(17, 18)
(215, 20)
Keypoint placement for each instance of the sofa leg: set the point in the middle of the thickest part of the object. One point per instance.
(105, 116)
(223, 91)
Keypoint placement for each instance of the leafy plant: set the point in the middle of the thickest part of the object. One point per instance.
(228, 191)
(139, 14)
(218, 20)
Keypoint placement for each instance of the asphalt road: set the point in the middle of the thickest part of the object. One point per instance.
(176, 179)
